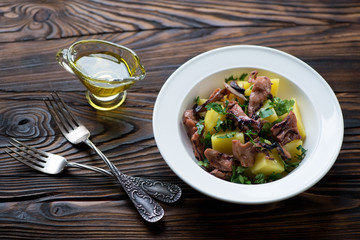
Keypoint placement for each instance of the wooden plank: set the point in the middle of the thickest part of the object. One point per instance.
(108, 220)
(163, 51)
(40, 20)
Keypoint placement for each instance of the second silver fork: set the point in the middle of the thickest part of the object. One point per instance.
(53, 164)
(76, 133)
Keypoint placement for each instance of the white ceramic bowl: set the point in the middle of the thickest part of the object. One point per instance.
(320, 110)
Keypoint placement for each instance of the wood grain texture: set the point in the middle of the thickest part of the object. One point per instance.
(79, 204)
(162, 52)
(39, 20)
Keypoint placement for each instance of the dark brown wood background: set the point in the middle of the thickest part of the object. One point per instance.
(84, 205)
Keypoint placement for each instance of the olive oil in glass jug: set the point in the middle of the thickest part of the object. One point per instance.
(106, 70)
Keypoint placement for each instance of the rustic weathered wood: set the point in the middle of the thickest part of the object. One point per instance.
(39, 20)
(162, 52)
(84, 205)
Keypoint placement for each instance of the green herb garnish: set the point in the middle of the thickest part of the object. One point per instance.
(216, 107)
(227, 135)
(282, 106)
(260, 178)
(200, 126)
(274, 177)
(227, 124)
(218, 126)
(207, 140)
(303, 152)
(238, 177)
(249, 133)
(265, 131)
(205, 163)
(289, 166)
(197, 99)
(231, 78)
(243, 76)
(266, 113)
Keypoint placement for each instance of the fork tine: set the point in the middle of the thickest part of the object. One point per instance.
(66, 114)
(23, 156)
(23, 160)
(33, 152)
(61, 124)
(64, 119)
(65, 106)
(33, 156)
(26, 147)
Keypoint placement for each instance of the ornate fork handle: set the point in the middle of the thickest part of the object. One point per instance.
(162, 191)
(149, 209)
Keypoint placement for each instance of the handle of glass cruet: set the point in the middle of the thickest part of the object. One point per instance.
(62, 59)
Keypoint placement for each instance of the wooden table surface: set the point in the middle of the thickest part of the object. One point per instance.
(83, 205)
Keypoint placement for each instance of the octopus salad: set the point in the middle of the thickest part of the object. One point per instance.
(244, 133)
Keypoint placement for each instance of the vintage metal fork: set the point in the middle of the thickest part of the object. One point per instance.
(53, 164)
(76, 133)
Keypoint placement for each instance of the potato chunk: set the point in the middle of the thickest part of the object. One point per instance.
(222, 142)
(210, 120)
(202, 101)
(248, 90)
(300, 124)
(291, 147)
(273, 90)
(274, 86)
(244, 84)
(266, 166)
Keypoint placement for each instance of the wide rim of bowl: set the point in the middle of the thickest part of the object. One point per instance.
(167, 124)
